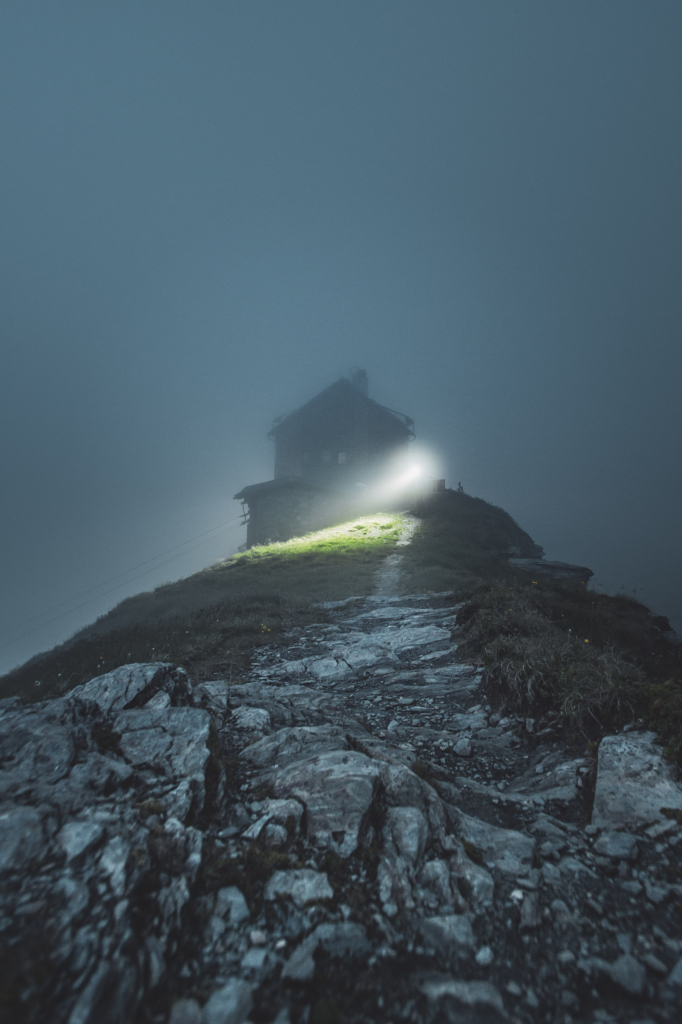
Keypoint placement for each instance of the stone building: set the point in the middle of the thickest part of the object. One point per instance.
(327, 454)
(341, 437)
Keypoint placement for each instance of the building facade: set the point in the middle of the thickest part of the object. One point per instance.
(327, 454)
(341, 437)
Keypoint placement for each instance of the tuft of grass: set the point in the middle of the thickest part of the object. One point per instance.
(591, 661)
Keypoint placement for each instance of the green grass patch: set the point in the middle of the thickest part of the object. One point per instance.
(370, 534)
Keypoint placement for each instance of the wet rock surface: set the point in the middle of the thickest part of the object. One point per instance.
(350, 834)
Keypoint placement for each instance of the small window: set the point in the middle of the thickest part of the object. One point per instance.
(326, 456)
(341, 458)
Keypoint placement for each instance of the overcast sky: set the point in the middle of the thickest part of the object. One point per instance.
(212, 209)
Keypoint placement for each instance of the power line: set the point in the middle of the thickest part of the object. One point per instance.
(110, 580)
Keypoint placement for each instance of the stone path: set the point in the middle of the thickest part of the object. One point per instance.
(350, 834)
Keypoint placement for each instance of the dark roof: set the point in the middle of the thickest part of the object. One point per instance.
(281, 484)
(343, 385)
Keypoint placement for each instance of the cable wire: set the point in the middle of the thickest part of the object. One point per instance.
(110, 580)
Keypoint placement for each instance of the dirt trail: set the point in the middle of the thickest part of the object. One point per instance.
(389, 576)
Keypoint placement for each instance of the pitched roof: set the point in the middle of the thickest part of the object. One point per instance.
(343, 387)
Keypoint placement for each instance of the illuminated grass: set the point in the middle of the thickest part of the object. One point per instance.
(328, 565)
(366, 533)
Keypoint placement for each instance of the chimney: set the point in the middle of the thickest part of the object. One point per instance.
(358, 379)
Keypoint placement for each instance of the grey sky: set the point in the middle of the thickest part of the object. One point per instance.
(211, 210)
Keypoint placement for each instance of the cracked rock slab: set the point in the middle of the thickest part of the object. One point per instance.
(171, 741)
(21, 837)
(505, 849)
(448, 932)
(478, 994)
(634, 783)
(303, 886)
(337, 789)
(130, 684)
(289, 745)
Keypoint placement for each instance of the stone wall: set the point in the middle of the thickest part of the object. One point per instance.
(281, 514)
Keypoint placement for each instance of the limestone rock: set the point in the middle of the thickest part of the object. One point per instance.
(466, 993)
(628, 974)
(675, 976)
(474, 880)
(36, 744)
(291, 744)
(255, 719)
(230, 1004)
(509, 851)
(633, 783)
(21, 837)
(302, 886)
(185, 1011)
(78, 836)
(448, 932)
(337, 790)
(617, 844)
(230, 903)
(330, 671)
(132, 684)
(558, 780)
(435, 876)
(409, 831)
(128, 850)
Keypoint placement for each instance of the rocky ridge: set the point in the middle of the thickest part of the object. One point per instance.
(351, 834)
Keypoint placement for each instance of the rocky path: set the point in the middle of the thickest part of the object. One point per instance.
(350, 835)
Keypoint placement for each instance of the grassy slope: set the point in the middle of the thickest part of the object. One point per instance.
(581, 661)
(462, 541)
(575, 659)
(210, 621)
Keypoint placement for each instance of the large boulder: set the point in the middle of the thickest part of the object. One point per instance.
(337, 790)
(133, 685)
(634, 783)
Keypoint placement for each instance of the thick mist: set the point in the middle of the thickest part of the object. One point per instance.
(212, 211)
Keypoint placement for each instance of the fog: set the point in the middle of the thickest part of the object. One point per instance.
(213, 210)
